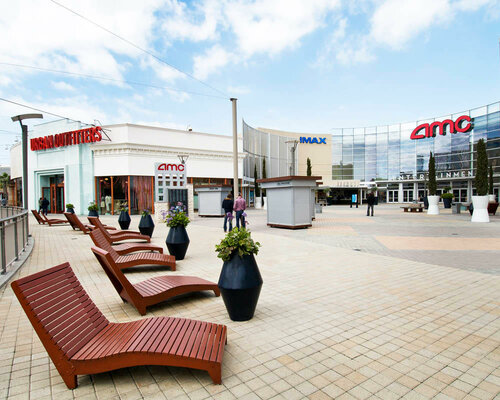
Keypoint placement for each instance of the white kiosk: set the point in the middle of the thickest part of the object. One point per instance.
(210, 199)
(290, 201)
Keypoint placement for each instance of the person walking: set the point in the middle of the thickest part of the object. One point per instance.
(240, 206)
(45, 206)
(370, 199)
(227, 205)
(40, 204)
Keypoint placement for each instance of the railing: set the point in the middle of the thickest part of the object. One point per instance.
(13, 234)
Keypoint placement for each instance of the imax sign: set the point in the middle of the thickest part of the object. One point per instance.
(316, 140)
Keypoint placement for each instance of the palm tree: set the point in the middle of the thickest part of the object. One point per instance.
(4, 183)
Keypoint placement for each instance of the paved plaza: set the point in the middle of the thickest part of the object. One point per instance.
(397, 305)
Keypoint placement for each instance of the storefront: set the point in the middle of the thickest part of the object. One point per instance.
(117, 164)
(394, 157)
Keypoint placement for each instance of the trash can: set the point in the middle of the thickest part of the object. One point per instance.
(456, 208)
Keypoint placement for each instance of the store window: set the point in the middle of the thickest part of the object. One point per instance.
(141, 194)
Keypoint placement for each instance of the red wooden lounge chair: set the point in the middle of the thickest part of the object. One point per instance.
(119, 235)
(132, 260)
(124, 248)
(75, 223)
(42, 219)
(80, 340)
(151, 291)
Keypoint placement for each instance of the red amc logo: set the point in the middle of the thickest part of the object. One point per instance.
(171, 167)
(429, 130)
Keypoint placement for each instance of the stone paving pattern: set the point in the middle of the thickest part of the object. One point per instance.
(331, 322)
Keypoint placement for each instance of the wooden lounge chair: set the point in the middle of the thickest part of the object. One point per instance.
(124, 248)
(119, 235)
(76, 224)
(42, 219)
(80, 340)
(132, 260)
(151, 291)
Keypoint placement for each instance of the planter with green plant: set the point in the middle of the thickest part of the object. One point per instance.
(433, 200)
(447, 197)
(124, 217)
(480, 201)
(146, 224)
(70, 208)
(93, 209)
(240, 281)
(177, 239)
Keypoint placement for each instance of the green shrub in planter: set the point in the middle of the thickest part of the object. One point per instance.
(237, 240)
(69, 205)
(447, 196)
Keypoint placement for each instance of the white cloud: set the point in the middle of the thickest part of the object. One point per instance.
(61, 85)
(211, 61)
(238, 90)
(396, 22)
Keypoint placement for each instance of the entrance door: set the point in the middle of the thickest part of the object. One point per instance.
(56, 198)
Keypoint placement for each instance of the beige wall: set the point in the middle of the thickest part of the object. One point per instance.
(320, 154)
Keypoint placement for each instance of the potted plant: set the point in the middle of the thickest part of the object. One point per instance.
(70, 208)
(146, 224)
(124, 217)
(433, 200)
(93, 209)
(240, 281)
(177, 239)
(447, 197)
(480, 201)
(491, 196)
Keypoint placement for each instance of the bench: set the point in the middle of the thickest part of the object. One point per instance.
(76, 224)
(151, 291)
(119, 235)
(80, 340)
(42, 219)
(131, 260)
(413, 208)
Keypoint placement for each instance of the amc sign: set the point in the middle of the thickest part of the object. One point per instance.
(170, 167)
(461, 124)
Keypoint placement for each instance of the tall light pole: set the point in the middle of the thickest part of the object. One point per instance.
(24, 128)
(292, 151)
(235, 149)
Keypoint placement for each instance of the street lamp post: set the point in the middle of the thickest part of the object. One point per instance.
(24, 128)
(235, 149)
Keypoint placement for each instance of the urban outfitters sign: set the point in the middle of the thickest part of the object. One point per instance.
(461, 124)
(89, 135)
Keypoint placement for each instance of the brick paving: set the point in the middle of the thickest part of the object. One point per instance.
(331, 322)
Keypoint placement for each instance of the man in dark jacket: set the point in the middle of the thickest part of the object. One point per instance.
(370, 199)
(227, 205)
(45, 206)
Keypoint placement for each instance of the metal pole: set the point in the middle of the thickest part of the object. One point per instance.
(235, 149)
(25, 165)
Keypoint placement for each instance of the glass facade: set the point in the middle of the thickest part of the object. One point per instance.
(386, 153)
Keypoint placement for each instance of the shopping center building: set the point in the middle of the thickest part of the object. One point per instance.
(394, 158)
(69, 162)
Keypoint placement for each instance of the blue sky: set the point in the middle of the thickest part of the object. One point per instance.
(305, 66)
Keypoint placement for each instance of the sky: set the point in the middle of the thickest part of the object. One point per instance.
(303, 66)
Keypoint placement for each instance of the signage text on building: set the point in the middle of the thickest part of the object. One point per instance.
(319, 140)
(88, 135)
(429, 130)
(171, 167)
(439, 175)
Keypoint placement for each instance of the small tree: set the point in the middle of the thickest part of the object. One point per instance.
(309, 167)
(256, 185)
(491, 180)
(481, 180)
(4, 183)
(432, 175)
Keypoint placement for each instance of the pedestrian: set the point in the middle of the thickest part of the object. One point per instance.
(370, 199)
(40, 204)
(227, 205)
(45, 206)
(240, 206)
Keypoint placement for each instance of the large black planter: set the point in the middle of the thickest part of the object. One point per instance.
(93, 213)
(240, 283)
(71, 210)
(124, 220)
(146, 225)
(447, 203)
(177, 242)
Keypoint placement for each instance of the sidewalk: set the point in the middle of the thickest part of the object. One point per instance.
(331, 322)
